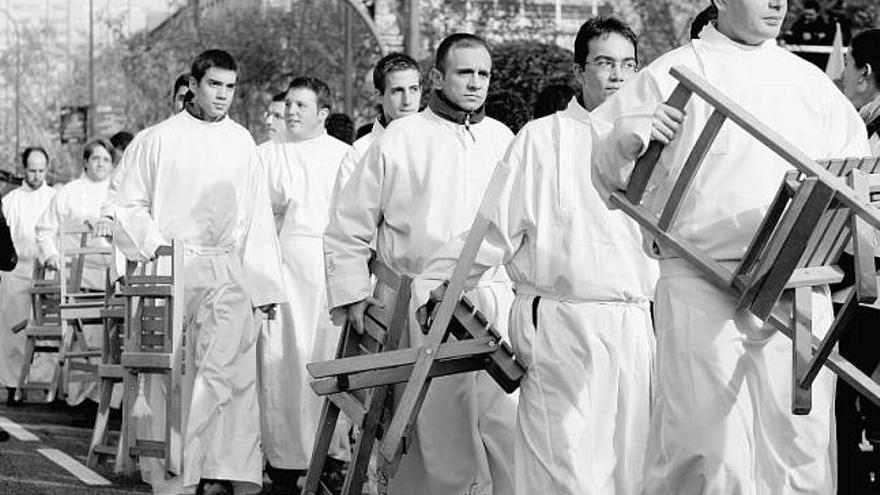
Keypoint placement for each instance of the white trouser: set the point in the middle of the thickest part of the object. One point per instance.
(301, 334)
(582, 422)
(722, 422)
(462, 442)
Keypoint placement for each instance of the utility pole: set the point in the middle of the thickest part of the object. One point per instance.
(413, 30)
(91, 114)
(348, 63)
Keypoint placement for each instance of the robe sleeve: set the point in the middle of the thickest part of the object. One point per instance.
(346, 168)
(136, 232)
(46, 229)
(622, 130)
(107, 209)
(351, 231)
(261, 253)
(278, 179)
(847, 135)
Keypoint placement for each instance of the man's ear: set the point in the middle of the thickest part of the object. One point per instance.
(867, 72)
(323, 113)
(436, 79)
(578, 72)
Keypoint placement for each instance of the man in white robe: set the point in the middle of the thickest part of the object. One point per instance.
(417, 188)
(580, 321)
(397, 80)
(196, 178)
(721, 422)
(301, 173)
(22, 207)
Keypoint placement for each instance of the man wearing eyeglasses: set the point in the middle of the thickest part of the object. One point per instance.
(580, 321)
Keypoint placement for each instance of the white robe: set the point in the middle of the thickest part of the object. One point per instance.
(21, 207)
(78, 200)
(580, 321)
(201, 183)
(417, 188)
(301, 178)
(358, 149)
(722, 422)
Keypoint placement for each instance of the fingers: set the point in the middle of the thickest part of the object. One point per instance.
(666, 123)
(356, 315)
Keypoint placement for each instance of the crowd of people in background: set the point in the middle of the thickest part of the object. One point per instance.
(629, 352)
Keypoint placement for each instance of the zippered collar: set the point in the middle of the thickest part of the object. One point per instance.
(453, 113)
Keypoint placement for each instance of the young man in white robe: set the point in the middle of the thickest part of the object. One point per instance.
(721, 421)
(196, 178)
(80, 200)
(581, 321)
(22, 207)
(301, 171)
(417, 188)
(398, 82)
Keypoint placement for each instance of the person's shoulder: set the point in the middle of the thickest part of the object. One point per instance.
(335, 144)
(683, 55)
(408, 124)
(495, 127)
(239, 131)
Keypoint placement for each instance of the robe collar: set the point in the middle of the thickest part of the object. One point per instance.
(712, 36)
(453, 113)
(577, 111)
(27, 187)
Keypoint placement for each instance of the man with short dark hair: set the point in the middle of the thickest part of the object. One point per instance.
(721, 418)
(22, 208)
(276, 127)
(417, 188)
(398, 83)
(196, 178)
(301, 173)
(580, 321)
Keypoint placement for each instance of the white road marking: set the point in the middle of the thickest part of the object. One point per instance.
(74, 467)
(16, 430)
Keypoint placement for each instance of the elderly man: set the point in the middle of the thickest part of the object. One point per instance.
(22, 208)
(721, 421)
(417, 188)
(196, 178)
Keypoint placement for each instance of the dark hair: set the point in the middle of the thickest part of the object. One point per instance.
(340, 126)
(279, 97)
(705, 16)
(212, 58)
(182, 80)
(812, 5)
(552, 99)
(456, 40)
(363, 130)
(865, 49)
(89, 148)
(120, 140)
(32, 149)
(393, 62)
(509, 108)
(597, 27)
(319, 87)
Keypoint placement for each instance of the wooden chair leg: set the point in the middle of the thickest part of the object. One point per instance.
(329, 417)
(802, 349)
(21, 391)
(128, 431)
(99, 433)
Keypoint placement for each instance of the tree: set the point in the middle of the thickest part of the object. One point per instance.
(526, 67)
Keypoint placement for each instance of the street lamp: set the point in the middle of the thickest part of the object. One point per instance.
(17, 82)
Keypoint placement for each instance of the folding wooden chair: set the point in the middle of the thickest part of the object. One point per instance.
(820, 206)
(359, 381)
(153, 344)
(80, 306)
(110, 371)
(42, 331)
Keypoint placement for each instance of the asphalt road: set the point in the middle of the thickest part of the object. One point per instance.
(54, 432)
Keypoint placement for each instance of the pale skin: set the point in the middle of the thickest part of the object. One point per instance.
(748, 22)
(304, 119)
(605, 70)
(35, 170)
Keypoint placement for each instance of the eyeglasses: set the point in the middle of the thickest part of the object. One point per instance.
(605, 64)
